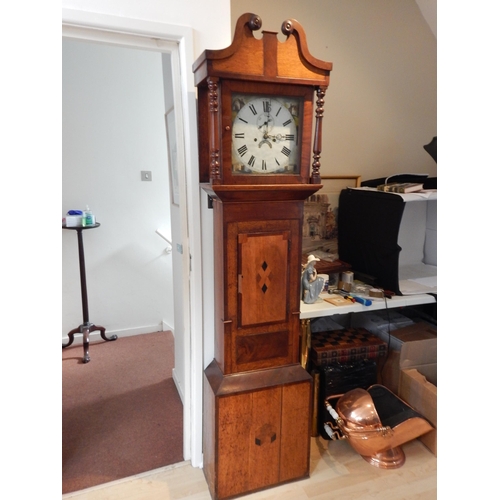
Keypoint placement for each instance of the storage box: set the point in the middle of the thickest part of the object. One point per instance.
(391, 237)
(416, 332)
(380, 322)
(414, 346)
(72, 220)
(420, 392)
(410, 371)
(346, 345)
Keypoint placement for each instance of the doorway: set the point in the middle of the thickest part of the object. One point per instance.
(178, 42)
(114, 103)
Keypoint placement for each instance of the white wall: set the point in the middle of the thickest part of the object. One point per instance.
(113, 127)
(210, 20)
(429, 11)
(381, 105)
(209, 25)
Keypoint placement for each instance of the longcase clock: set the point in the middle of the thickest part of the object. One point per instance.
(258, 102)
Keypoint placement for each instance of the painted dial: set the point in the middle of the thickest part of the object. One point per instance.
(265, 135)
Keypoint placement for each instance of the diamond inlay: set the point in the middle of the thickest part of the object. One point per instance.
(263, 276)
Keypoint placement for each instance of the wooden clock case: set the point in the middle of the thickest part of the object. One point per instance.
(257, 396)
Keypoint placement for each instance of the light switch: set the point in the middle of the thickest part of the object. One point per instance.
(145, 175)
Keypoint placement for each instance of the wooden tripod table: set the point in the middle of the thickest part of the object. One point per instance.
(86, 328)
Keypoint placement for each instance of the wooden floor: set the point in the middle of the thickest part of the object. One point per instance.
(337, 472)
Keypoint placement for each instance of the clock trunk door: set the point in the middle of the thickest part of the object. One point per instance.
(263, 260)
(263, 278)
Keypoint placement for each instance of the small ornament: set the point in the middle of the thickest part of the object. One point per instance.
(312, 284)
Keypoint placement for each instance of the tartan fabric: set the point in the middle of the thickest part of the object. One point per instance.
(348, 344)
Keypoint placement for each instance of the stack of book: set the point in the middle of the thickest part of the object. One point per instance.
(401, 187)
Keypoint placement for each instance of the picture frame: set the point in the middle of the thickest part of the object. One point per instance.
(173, 165)
(320, 228)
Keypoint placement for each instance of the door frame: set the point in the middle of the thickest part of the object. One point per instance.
(178, 41)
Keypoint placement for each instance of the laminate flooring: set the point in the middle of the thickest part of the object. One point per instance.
(336, 472)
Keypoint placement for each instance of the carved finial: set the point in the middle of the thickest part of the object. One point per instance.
(255, 22)
(287, 27)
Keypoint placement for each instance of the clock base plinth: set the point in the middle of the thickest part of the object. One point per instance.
(256, 429)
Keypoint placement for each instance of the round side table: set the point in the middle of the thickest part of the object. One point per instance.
(86, 328)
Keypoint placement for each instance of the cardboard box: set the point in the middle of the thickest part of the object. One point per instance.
(391, 371)
(411, 372)
(416, 332)
(413, 346)
(420, 393)
(380, 322)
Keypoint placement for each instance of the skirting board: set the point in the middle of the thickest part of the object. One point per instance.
(130, 332)
(178, 385)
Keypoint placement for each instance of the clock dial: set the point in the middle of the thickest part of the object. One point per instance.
(265, 135)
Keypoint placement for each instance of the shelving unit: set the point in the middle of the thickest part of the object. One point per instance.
(321, 308)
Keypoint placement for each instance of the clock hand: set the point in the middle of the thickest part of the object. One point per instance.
(265, 123)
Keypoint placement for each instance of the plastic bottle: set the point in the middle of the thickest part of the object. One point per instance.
(88, 218)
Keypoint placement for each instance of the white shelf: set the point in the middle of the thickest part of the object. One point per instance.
(322, 308)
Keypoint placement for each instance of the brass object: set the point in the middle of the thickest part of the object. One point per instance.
(305, 341)
(314, 425)
(360, 423)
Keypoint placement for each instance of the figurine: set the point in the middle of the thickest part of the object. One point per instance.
(312, 284)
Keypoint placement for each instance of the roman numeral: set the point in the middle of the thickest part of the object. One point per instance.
(251, 161)
(252, 109)
(276, 160)
(278, 112)
(286, 151)
(264, 166)
(267, 106)
(240, 135)
(290, 137)
(240, 118)
(287, 123)
(242, 150)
